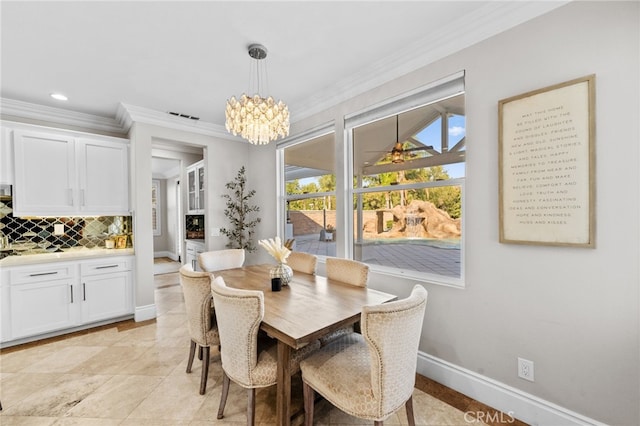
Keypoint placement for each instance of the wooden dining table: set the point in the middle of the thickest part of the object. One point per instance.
(310, 307)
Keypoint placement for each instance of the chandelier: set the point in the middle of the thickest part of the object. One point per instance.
(258, 120)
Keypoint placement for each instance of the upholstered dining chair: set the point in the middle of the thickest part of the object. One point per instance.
(302, 262)
(217, 260)
(347, 271)
(248, 359)
(201, 320)
(350, 272)
(370, 375)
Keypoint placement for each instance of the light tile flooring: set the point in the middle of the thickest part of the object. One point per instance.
(134, 374)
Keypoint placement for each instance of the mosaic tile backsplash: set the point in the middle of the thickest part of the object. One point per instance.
(20, 236)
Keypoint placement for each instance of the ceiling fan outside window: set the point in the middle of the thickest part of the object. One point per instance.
(398, 152)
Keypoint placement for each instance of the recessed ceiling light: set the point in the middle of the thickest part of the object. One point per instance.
(59, 96)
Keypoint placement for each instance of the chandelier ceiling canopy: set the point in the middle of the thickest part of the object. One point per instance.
(257, 119)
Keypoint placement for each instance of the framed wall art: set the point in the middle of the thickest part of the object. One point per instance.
(547, 165)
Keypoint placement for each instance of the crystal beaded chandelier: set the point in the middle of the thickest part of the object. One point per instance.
(259, 120)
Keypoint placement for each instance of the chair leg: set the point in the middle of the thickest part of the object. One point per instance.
(192, 353)
(308, 394)
(225, 392)
(251, 406)
(205, 369)
(200, 353)
(409, 407)
(377, 423)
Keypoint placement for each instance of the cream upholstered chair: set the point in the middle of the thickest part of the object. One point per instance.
(347, 271)
(370, 375)
(350, 272)
(217, 260)
(248, 360)
(302, 262)
(201, 321)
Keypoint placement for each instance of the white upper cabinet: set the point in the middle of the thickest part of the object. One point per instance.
(103, 176)
(6, 157)
(195, 185)
(45, 174)
(61, 174)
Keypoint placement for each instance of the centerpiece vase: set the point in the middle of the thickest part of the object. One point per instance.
(282, 271)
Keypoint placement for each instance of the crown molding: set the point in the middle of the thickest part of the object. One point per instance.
(489, 20)
(26, 110)
(128, 114)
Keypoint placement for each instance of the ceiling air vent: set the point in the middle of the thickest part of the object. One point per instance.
(191, 117)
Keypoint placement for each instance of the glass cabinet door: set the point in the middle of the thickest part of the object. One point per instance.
(191, 178)
(200, 188)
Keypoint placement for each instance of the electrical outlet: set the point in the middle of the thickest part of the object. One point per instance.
(58, 229)
(215, 232)
(525, 369)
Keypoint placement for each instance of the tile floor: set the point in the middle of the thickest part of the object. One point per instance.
(134, 374)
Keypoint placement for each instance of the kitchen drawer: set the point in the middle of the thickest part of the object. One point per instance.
(106, 266)
(39, 273)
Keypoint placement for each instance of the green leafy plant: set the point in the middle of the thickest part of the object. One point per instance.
(241, 230)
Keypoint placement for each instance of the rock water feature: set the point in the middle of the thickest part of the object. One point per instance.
(420, 219)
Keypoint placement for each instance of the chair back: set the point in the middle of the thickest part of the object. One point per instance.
(196, 288)
(392, 331)
(347, 271)
(302, 262)
(217, 260)
(239, 314)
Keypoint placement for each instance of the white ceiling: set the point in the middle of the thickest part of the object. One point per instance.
(189, 57)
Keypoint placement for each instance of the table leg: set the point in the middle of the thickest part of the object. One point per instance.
(283, 401)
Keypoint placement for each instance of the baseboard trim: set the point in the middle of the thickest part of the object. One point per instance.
(514, 402)
(144, 313)
(170, 255)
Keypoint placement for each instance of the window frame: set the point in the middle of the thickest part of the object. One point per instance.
(156, 206)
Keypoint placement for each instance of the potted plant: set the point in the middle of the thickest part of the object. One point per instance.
(329, 233)
(241, 231)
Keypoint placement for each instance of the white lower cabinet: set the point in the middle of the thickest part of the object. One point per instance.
(106, 296)
(107, 290)
(193, 249)
(64, 295)
(40, 307)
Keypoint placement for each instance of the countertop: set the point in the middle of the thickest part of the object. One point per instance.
(194, 240)
(70, 254)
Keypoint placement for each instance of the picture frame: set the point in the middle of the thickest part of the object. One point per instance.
(121, 241)
(546, 165)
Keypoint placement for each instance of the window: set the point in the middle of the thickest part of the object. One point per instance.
(309, 193)
(408, 185)
(155, 207)
(400, 203)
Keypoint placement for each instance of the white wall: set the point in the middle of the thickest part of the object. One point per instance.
(573, 311)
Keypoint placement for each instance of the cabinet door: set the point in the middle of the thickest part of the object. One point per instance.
(44, 174)
(190, 258)
(42, 307)
(193, 249)
(191, 190)
(6, 156)
(106, 296)
(103, 177)
(201, 188)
